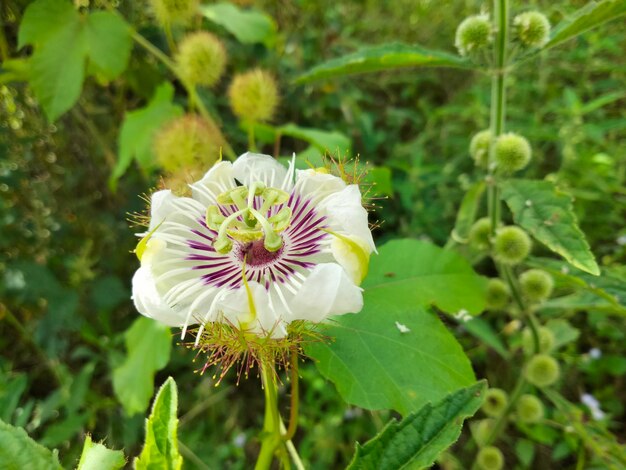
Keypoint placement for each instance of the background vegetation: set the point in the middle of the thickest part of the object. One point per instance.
(65, 308)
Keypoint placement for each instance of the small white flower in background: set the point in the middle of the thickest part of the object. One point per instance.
(257, 246)
(594, 406)
(595, 353)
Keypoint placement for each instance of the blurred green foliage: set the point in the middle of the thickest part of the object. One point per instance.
(65, 245)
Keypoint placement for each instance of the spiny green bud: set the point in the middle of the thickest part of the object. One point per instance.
(546, 340)
(186, 141)
(253, 96)
(532, 29)
(201, 59)
(512, 245)
(474, 33)
(498, 294)
(489, 458)
(536, 285)
(169, 12)
(482, 429)
(529, 409)
(479, 148)
(480, 233)
(512, 152)
(542, 370)
(495, 402)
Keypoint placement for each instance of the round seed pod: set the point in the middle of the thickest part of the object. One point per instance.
(185, 142)
(201, 59)
(495, 402)
(536, 285)
(529, 409)
(253, 96)
(490, 458)
(480, 233)
(479, 148)
(531, 29)
(542, 370)
(512, 245)
(473, 34)
(546, 340)
(168, 12)
(482, 429)
(512, 152)
(498, 294)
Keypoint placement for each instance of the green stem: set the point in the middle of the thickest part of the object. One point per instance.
(293, 413)
(251, 139)
(498, 106)
(271, 424)
(191, 89)
(529, 317)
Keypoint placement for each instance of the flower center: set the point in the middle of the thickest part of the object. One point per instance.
(255, 254)
(252, 221)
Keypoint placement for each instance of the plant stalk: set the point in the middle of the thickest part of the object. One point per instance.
(271, 424)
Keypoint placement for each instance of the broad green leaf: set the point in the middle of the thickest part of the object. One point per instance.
(148, 344)
(592, 15)
(248, 26)
(138, 129)
(547, 213)
(64, 39)
(417, 440)
(98, 457)
(467, 212)
(382, 57)
(369, 353)
(109, 43)
(325, 141)
(161, 444)
(563, 331)
(19, 452)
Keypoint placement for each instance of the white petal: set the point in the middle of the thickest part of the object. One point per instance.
(317, 185)
(327, 291)
(149, 302)
(161, 205)
(346, 214)
(215, 181)
(251, 167)
(236, 308)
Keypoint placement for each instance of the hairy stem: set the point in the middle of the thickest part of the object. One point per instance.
(293, 413)
(271, 425)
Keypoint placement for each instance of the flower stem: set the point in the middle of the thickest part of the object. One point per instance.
(293, 413)
(271, 424)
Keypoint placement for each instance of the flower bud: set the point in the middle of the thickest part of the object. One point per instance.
(512, 245)
(536, 285)
(186, 141)
(546, 340)
(512, 152)
(498, 294)
(495, 402)
(542, 370)
(253, 96)
(489, 458)
(529, 409)
(479, 148)
(169, 12)
(474, 33)
(201, 59)
(482, 429)
(531, 29)
(480, 233)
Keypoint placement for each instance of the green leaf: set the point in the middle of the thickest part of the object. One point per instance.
(161, 445)
(382, 57)
(547, 213)
(380, 179)
(138, 129)
(109, 43)
(467, 212)
(369, 353)
(482, 330)
(64, 40)
(148, 343)
(18, 451)
(592, 15)
(98, 457)
(325, 141)
(563, 332)
(248, 26)
(417, 440)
